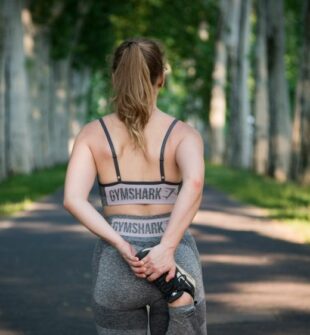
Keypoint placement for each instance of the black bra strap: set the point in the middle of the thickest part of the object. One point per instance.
(162, 149)
(118, 174)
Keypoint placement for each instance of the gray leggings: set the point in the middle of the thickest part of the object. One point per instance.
(120, 298)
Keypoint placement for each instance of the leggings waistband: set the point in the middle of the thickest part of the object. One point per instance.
(139, 225)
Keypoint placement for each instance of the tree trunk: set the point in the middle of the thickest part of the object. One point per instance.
(79, 87)
(38, 72)
(239, 144)
(280, 123)
(20, 154)
(3, 160)
(232, 48)
(218, 94)
(59, 114)
(261, 112)
(301, 127)
(62, 122)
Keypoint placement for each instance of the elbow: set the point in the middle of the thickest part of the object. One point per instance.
(66, 204)
(197, 184)
(73, 202)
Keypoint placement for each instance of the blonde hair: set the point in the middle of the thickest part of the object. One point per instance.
(136, 65)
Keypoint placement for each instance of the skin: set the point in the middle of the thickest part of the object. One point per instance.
(184, 160)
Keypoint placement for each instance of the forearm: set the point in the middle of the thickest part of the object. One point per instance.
(185, 208)
(86, 214)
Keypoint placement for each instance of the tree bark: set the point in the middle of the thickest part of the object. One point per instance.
(239, 145)
(261, 108)
(20, 154)
(79, 89)
(38, 72)
(301, 125)
(280, 122)
(218, 94)
(3, 160)
(232, 48)
(59, 114)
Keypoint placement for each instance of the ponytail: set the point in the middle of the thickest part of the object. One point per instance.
(135, 69)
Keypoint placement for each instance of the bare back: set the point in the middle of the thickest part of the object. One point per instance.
(133, 165)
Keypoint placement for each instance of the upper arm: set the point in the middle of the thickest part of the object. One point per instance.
(190, 156)
(81, 169)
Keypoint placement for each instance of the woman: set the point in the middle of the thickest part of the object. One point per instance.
(150, 170)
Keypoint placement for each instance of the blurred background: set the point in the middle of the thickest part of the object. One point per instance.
(238, 71)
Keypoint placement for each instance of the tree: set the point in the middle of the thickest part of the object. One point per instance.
(18, 144)
(217, 114)
(301, 125)
(38, 71)
(261, 108)
(3, 158)
(239, 142)
(280, 122)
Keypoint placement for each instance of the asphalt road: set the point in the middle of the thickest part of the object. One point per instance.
(257, 274)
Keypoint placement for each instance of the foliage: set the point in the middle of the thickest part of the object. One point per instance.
(89, 32)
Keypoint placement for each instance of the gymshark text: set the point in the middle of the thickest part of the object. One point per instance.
(132, 193)
(139, 228)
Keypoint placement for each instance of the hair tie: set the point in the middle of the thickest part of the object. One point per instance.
(131, 42)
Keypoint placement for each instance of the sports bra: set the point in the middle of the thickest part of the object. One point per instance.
(138, 192)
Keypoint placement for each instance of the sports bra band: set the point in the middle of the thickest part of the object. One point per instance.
(162, 149)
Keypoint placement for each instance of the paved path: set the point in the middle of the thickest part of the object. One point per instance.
(257, 274)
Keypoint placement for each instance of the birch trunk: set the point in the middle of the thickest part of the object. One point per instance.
(218, 95)
(301, 127)
(61, 119)
(239, 140)
(59, 114)
(79, 88)
(232, 48)
(20, 154)
(3, 161)
(261, 109)
(38, 71)
(280, 122)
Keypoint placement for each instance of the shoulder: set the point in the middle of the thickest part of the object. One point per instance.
(188, 133)
(184, 132)
(190, 142)
(183, 128)
(88, 132)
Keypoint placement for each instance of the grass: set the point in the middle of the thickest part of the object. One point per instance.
(18, 191)
(287, 202)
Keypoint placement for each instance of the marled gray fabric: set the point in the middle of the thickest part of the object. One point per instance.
(119, 298)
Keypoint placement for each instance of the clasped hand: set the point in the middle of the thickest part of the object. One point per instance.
(158, 261)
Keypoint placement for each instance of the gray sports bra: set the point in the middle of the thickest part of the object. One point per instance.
(138, 192)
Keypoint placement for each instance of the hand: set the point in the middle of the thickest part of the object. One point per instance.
(158, 261)
(128, 253)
